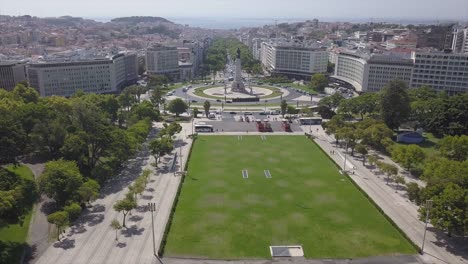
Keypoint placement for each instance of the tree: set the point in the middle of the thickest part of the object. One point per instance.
(448, 210)
(61, 180)
(361, 149)
(60, 219)
(195, 112)
(373, 159)
(395, 104)
(12, 138)
(284, 107)
(318, 82)
(116, 226)
(177, 106)
(160, 147)
(89, 191)
(400, 180)
(454, 147)
(206, 107)
(26, 94)
(331, 102)
(73, 210)
(156, 96)
(413, 191)
(408, 155)
(125, 206)
(170, 130)
(388, 169)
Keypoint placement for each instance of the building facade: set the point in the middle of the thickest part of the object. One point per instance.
(293, 59)
(370, 73)
(106, 75)
(441, 71)
(162, 60)
(11, 73)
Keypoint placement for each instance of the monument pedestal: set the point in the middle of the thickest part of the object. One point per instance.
(238, 87)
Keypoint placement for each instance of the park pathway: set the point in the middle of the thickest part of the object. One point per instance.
(91, 240)
(396, 205)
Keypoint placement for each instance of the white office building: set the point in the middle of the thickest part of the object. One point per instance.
(371, 72)
(104, 75)
(293, 59)
(162, 60)
(441, 71)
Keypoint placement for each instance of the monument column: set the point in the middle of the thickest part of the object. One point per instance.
(238, 85)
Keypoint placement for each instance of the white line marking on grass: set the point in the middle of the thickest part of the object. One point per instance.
(267, 174)
(245, 174)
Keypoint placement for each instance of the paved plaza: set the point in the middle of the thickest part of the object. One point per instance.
(92, 240)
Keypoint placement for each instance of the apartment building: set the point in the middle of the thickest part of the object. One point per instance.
(441, 71)
(293, 59)
(11, 73)
(162, 60)
(102, 75)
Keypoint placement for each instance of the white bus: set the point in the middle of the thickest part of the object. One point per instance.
(203, 128)
(310, 120)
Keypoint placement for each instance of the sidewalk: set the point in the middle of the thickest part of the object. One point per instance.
(92, 240)
(395, 205)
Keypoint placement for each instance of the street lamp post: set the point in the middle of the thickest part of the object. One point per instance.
(428, 208)
(346, 149)
(152, 208)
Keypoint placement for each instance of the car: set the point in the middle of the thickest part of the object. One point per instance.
(206, 83)
(218, 100)
(263, 113)
(248, 113)
(194, 101)
(232, 113)
(229, 102)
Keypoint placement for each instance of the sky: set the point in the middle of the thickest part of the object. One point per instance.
(341, 9)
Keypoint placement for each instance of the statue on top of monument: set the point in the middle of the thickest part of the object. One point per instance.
(238, 53)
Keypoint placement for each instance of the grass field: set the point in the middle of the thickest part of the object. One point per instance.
(221, 215)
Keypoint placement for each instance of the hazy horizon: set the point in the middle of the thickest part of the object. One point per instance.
(453, 10)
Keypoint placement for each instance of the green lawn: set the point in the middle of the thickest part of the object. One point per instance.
(221, 215)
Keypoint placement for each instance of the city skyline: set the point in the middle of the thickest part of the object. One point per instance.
(300, 9)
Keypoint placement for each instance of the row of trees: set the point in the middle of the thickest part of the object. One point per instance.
(87, 137)
(444, 169)
(216, 57)
(422, 107)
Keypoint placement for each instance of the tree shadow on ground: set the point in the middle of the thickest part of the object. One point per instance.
(65, 244)
(48, 207)
(457, 245)
(90, 219)
(121, 244)
(133, 231)
(98, 208)
(147, 197)
(141, 208)
(77, 229)
(135, 218)
(132, 169)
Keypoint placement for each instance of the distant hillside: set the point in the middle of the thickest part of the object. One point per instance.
(140, 19)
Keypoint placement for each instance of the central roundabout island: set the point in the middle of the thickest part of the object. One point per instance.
(226, 92)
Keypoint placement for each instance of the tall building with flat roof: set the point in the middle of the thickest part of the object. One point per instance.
(11, 73)
(370, 73)
(293, 59)
(441, 71)
(104, 75)
(162, 60)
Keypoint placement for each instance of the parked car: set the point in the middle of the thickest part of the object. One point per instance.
(194, 101)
